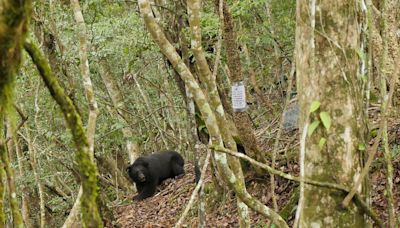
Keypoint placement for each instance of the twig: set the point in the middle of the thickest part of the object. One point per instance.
(24, 119)
(278, 136)
(195, 191)
(367, 210)
(384, 107)
(219, 42)
(302, 158)
(277, 172)
(383, 74)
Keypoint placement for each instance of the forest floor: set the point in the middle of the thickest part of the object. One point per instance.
(165, 208)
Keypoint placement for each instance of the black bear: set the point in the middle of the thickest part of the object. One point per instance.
(149, 171)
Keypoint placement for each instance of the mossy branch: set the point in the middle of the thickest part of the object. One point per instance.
(2, 188)
(5, 165)
(87, 168)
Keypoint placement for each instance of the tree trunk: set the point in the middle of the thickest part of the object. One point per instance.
(384, 67)
(327, 38)
(2, 191)
(14, 21)
(13, 146)
(241, 119)
(209, 118)
(194, 7)
(118, 102)
(91, 125)
(35, 165)
(12, 194)
(87, 168)
(73, 219)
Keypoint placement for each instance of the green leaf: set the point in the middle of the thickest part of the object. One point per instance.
(361, 147)
(312, 127)
(314, 106)
(326, 120)
(321, 143)
(374, 133)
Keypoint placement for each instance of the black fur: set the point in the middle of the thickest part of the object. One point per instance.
(149, 171)
(197, 173)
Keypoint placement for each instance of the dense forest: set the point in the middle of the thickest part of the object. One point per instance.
(223, 113)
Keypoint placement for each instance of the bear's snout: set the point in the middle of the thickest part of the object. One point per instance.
(142, 177)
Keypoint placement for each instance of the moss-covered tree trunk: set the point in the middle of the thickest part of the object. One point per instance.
(14, 20)
(87, 168)
(327, 41)
(385, 67)
(5, 164)
(93, 110)
(2, 187)
(14, 150)
(241, 119)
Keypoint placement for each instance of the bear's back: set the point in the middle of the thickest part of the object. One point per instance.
(161, 163)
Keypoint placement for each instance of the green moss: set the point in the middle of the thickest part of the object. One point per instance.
(2, 215)
(16, 214)
(14, 22)
(2, 176)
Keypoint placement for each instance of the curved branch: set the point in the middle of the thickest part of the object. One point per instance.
(357, 198)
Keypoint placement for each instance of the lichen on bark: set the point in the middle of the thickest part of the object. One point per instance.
(327, 71)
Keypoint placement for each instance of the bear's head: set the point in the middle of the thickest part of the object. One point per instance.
(138, 172)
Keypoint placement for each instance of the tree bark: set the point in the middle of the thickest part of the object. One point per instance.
(87, 168)
(209, 118)
(5, 163)
(14, 148)
(194, 7)
(14, 21)
(93, 110)
(385, 67)
(327, 38)
(35, 165)
(241, 119)
(2, 193)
